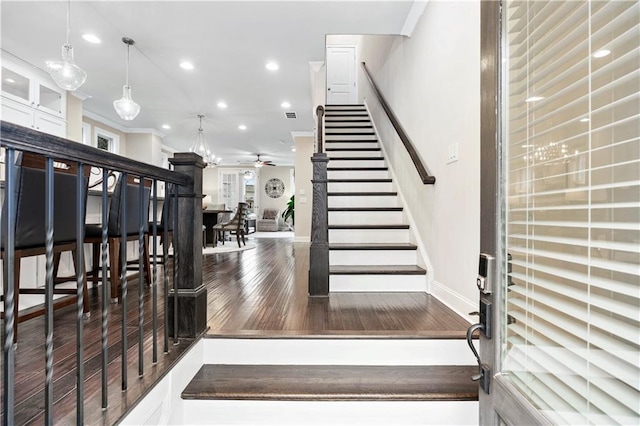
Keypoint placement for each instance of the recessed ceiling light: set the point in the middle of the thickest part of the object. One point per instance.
(272, 66)
(91, 38)
(9, 80)
(222, 105)
(186, 65)
(602, 53)
(166, 126)
(584, 120)
(285, 104)
(242, 127)
(534, 98)
(293, 149)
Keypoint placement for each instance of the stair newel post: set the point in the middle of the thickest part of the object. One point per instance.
(191, 293)
(320, 128)
(319, 251)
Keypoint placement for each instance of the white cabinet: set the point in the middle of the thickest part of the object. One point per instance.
(30, 100)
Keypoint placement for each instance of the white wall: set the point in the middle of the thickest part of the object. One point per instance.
(280, 203)
(432, 82)
(304, 188)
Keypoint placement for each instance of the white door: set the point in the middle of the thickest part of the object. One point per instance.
(341, 75)
(560, 207)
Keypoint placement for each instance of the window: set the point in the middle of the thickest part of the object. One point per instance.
(107, 140)
(572, 125)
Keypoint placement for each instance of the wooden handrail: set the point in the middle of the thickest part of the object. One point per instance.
(319, 115)
(424, 174)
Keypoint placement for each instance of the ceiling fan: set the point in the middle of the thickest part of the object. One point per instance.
(260, 163)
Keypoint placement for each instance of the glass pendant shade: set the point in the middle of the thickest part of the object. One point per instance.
(66, 73)
(126, 108)
(201, 147)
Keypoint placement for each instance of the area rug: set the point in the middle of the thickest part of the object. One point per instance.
(229, 247)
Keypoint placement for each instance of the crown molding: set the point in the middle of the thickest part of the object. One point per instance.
(119, 127)
(302, 134)
(417, 9)
(80, 95)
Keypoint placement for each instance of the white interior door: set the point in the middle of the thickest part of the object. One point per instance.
(341, 75)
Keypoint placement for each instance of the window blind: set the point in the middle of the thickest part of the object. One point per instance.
(572, 128)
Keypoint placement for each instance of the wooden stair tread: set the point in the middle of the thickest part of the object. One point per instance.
(367, 226)
(342, 133)
(366, 194)
(372, 246)
(356, 158)
(351, 141)
(353, 149)
(376, 270)
(359, 180)
(343, 126)
(333, 383)
(359, 120)
(356, 169)
(365, 209)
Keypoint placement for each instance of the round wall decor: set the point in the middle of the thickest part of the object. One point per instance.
(274, 188)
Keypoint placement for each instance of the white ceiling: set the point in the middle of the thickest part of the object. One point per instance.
(229, 43)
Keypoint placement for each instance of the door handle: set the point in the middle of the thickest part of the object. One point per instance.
(329, 89)
(484, 372)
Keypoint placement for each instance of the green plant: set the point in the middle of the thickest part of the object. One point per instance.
(289, 211)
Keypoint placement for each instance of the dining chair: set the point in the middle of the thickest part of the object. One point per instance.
(236, 224)
(30, 227)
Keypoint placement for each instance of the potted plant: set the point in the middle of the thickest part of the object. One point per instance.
(289, 211)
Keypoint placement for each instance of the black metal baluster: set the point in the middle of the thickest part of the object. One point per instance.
(106, 297)
(165, 260)
(176, 265)
(48, 298)
(142, 222)
(80, 210)
(9, 319)
(154, 283)
(123, 275)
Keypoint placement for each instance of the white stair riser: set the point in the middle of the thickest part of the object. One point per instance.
(360, 186)
(356, 163)
(331, 124)
(346, 138)
(377, 283)
(371, 218)
(329, 118)
(357, 174)
(354, 154)
(363, 201)
(368, 236)
(327, 351)
(373, 257)
(352, 145)
(211, 412)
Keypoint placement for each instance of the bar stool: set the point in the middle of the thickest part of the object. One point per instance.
(117, 259)
(30, 226)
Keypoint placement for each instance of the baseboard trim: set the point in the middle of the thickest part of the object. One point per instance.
(460, 305)
(302, 239)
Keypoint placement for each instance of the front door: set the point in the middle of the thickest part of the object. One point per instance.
(561, 211)
(341, 75)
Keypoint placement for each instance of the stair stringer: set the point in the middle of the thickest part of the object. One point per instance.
(423, 255)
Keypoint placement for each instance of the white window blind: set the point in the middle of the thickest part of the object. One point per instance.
(572, 129)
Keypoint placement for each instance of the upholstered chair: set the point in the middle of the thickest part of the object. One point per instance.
(269, 221)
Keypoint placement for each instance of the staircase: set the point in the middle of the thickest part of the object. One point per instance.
(370, 243)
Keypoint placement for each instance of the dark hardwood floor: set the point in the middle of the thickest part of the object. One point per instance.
(262, 291)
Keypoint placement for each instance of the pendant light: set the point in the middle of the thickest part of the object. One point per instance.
(66, 73)
(201, 147)
(126, 108)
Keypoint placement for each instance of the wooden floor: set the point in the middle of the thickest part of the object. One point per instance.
(262, 292)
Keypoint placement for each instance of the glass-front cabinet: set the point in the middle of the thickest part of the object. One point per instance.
(30, 99)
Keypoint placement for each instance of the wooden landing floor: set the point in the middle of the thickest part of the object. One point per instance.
(264, 292)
